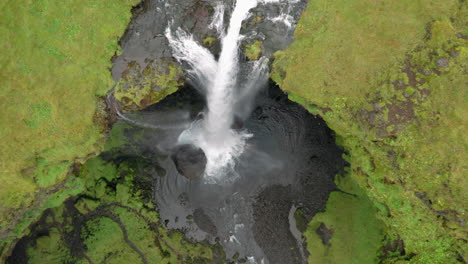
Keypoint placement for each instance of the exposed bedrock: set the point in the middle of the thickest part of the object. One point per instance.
(145, 71)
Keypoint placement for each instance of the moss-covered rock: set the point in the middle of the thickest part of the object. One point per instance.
(54, 71)
(139, 88)
(253, 51)
(112, 221)
(372, 70)
(213, 44)
(209, 41)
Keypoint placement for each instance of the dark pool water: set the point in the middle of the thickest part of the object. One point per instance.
(289, 164)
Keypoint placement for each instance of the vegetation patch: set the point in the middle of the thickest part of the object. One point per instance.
(388, 77)
(209, 41)
(139, 88)
(54, 71)
(348, 231)
(112, 220)
(111, 217)
(253, 51)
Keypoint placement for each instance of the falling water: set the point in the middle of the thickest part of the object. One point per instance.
(260, 171)
(218, 80)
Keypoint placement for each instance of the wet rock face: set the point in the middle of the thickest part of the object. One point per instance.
(204, 222)
(190, 161)
(139, 88)
(273, 25)
(238, 123)
(145, 48)
(271, 227)
(145, 72)
(145, 41)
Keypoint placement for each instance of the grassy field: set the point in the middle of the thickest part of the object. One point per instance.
(54, 64)
(389, 77)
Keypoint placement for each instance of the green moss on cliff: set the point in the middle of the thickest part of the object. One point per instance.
(348, 231)
(54, 68)
(388, 78)
(112, 221)
(138, 88)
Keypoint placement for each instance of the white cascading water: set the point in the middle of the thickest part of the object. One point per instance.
(218, 80)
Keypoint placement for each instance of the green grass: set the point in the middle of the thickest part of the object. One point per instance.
(55, 65)
(50, 248)
(370, 68)
(357, 234)
(105, 242)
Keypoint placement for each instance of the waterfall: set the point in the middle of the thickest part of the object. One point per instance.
(218, 80)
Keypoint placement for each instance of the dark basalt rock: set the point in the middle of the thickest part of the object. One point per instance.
(145, 41)
(190, 161)
(325, 234)
(204, 222)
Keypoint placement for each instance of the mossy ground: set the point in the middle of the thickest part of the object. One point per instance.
(253, 51)
(54, 67)
(112, 220)
(348, 231)
(389, 78)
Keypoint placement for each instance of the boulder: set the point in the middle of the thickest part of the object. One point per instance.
(190, 161)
